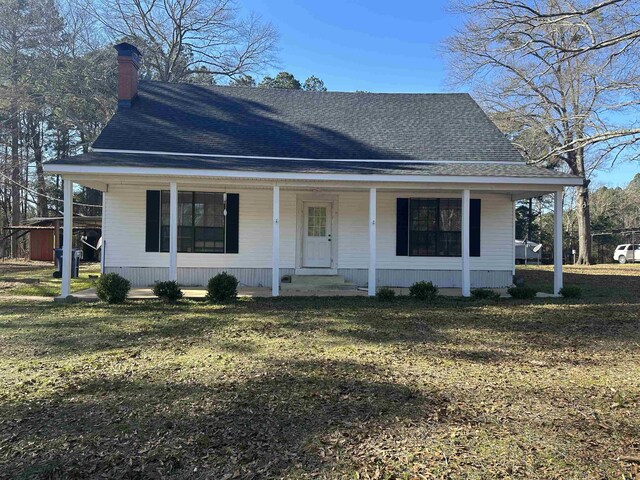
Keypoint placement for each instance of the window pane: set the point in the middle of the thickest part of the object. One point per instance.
(208, 209)
(450, 244)
(422, 243)
(434, 227)
(164, 238)
(164, 221)
(450, 215)
(209, 239)
(185, 239)
(185, 209)
(201, 222)
(422, 225)
(164, 207)
(317, 222)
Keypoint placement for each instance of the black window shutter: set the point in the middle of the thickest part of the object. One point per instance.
(474, 230)
(402, 227)
(152, 233)
(233, 223)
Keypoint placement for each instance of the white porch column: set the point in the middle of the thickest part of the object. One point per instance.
(372, 242)
(67, 233)
(275, 268)
(173, 231)
(513, 236)
(466, 216)
(557, 242)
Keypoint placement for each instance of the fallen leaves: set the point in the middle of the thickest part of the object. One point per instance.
(319, 389)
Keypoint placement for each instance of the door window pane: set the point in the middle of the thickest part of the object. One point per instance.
(317, 222)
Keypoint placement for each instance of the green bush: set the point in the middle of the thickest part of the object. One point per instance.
(222, 288)
(385, 294)
(571, 291)
(168, 291)
(112, 288)
(423, 291)
(484, 294)
(522, 293)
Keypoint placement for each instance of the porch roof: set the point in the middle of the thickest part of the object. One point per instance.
(120, 160)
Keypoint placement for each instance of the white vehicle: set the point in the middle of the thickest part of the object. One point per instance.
(627, 253)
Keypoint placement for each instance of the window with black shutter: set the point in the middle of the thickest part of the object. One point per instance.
(207, 222)
(432, 227)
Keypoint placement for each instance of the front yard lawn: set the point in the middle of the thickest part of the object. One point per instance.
(320, 388)
(604, 282)
(29, 278)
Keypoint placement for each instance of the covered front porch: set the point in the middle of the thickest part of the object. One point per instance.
(321, 227)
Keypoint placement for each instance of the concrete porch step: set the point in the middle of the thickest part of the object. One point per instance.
(292, 287)
(317, 282)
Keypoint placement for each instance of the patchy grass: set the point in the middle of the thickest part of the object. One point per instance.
(320, 388)
(599, 282)
(22, 277)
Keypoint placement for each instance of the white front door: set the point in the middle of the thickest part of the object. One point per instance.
(316, 236)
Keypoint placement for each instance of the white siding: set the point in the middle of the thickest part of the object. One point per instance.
(353, 230)
(495, 236)
(124, 232)
(288, 229)
(441, 278)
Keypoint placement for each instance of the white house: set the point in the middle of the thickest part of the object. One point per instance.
(382, 189)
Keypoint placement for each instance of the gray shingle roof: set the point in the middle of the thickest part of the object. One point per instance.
(305, 166)
(239, 121)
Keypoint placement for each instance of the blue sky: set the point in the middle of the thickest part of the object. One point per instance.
(373, 45)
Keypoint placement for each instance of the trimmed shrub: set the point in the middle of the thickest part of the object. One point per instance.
(168, 291)
(522, 293)
(571, 291)
(484, 294)
(222, 288)
(112, 288)
(385, 294)
(423, 291)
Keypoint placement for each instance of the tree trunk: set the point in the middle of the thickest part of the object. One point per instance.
(16, 210)
(43, 209)
(584, 225)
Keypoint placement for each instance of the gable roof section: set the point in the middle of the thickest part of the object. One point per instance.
(237, 121)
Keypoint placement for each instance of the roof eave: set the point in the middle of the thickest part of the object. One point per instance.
(70, 170)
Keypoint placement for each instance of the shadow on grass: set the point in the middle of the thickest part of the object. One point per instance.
(595, 286)
(264, 426)
(50, 329)
(85, 328)
(545, 324)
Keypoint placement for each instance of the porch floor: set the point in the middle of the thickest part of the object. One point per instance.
(141, 293)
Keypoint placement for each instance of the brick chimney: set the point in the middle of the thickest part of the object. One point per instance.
(128, 65)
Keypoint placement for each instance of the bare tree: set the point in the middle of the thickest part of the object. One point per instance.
(28, 30)
(533, 17)
(565, 103)
(180, 37)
